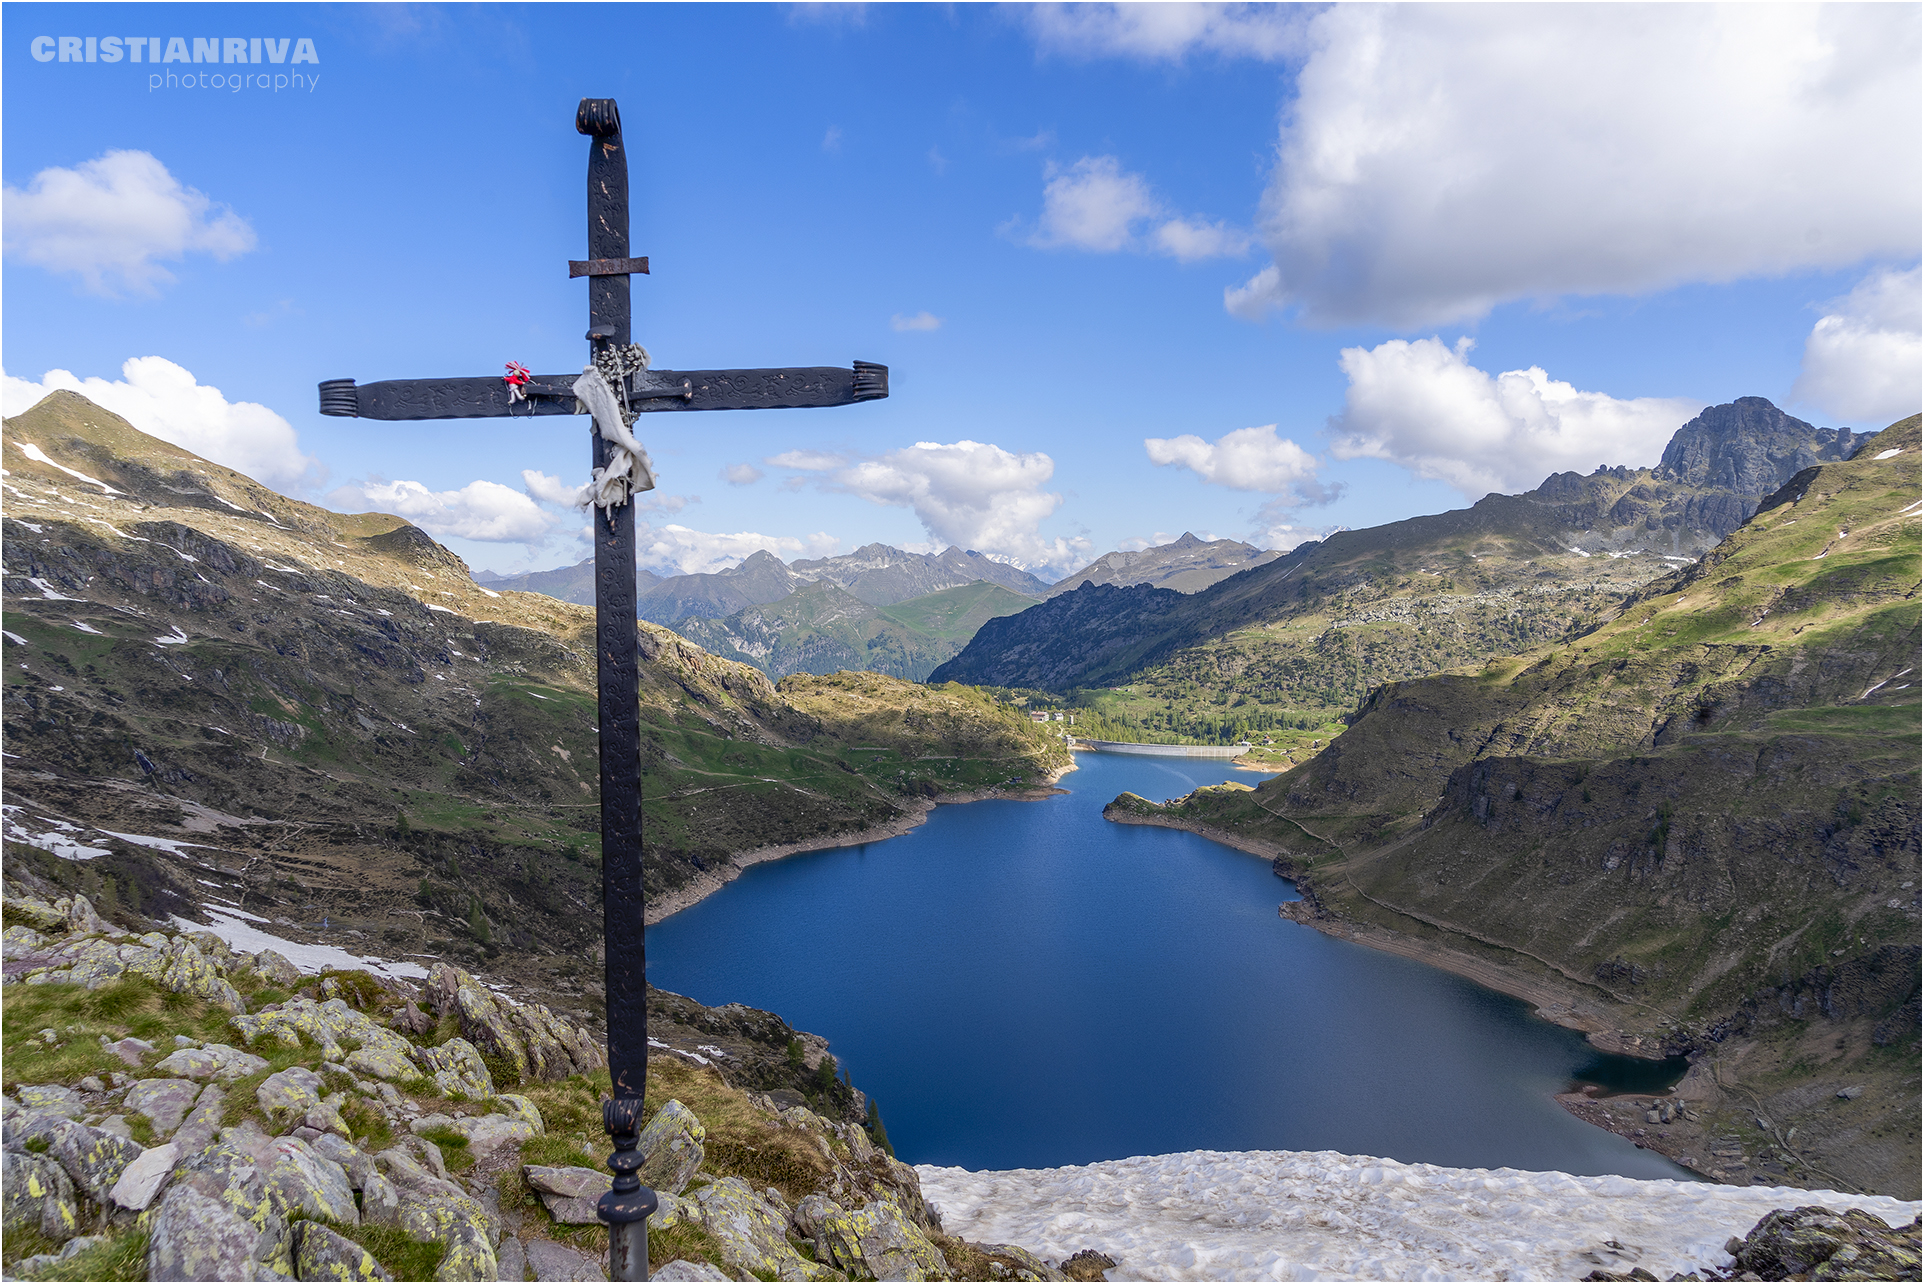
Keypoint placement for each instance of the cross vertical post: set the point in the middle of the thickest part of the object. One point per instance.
(618, 715)
(627, 1205)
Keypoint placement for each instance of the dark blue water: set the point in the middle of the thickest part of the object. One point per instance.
(1027, 985)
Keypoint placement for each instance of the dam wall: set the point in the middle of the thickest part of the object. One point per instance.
(1172, 751)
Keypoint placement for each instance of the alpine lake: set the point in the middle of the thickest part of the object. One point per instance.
(1027, 985)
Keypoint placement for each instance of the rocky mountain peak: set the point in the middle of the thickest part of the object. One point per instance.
(1749, 446)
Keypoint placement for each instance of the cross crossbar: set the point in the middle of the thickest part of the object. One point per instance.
(469, 397)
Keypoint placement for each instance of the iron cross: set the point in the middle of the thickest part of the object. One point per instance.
(627, 1206)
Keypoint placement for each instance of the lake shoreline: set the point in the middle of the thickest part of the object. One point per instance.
(1554, 1002)
(916, 812)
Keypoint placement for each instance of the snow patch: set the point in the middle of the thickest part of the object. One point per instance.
(54, 840)
(174, 639)
(14, 638)
(172, 847)
(308, 958)
(657, 1044)
(49, 593)
(1319, 1215)
(1885, 455)
(435, 607)
(86, 628)
(34, 527)
(33, 452)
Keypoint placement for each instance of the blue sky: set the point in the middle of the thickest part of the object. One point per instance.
(1135, 270)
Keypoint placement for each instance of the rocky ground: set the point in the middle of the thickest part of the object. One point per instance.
(175, 1110)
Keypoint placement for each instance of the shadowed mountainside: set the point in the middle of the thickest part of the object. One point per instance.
(820, 629)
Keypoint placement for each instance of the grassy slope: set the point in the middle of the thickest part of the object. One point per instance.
(354, 729)
(1701, 819)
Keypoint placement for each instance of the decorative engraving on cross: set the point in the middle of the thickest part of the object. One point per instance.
(607, 269)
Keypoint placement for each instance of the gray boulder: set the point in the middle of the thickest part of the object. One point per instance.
(286, 1097)
(380, 1201)
(203, 1123)
(130, 1050)
(556, 1262)
(196, 1237)
(299, 1180)
(356, 1163)
(569, 1191)
(93, 1158)
(57, 1099)
(684, 1270)
(463, 1225)
(878, 1240)
(671, 1146)
(38, 1196)
(322, 1254)
(753, 1236)
(275, 967)
(457, 1070)
(165, 1102)
(213, 1061)
(142, 1180)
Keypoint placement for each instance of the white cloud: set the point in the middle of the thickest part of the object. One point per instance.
(549, 490)
(164, 400)
(973, 494)
(1091, 205)
(1169, 31)
(832, 139)
(921, 321)
(1249, 459)
(741, 474)
(480, 510)
(1275, 529)
(808, 461)
(677, 550)
(1096, 205)
(1862, 358)
(110, 219)
(1439, 160)
(1188, 241)
(1423, 405)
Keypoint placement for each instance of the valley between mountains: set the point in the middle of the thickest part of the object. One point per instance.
(1640, 745)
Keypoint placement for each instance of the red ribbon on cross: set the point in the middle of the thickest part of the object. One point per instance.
(516, 378)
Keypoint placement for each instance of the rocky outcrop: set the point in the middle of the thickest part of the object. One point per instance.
(258, 1174)
(533, 1041)
(1813, 1243)
(877, 1239)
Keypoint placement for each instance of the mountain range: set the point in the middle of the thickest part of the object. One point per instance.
(877, 574)
(1318, 628)
(1186, 564)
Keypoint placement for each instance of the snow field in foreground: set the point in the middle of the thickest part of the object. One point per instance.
(1320, 1215)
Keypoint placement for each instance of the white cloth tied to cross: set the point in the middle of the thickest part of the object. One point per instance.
(628, 469)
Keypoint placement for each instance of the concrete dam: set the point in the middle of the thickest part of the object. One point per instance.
(1174, 751)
